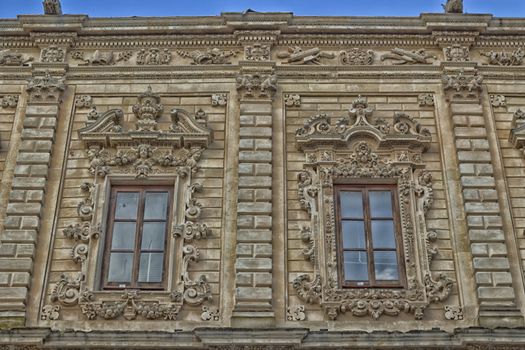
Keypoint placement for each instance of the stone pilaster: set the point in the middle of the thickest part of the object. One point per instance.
(23, 216)
(253, 264)
(490, 256)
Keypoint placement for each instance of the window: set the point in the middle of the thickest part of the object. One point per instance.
(138, 222)
(369, 236)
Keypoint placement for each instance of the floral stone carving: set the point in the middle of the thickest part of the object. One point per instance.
(354, 148)
(210, 56)
(292, 100)
(257, 52)
(154, 57)
(498, 100)
(426, 100)
(219, 100)
(9, 101)
(53, 54)
(461, 85)
(355, 57)
(146, 150)
(46, 89)
(457, 53)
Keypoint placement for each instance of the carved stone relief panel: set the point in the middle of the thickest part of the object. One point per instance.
(53, 54)
(141, 142)
(456, 53)
(356, 56)
(298, 56)
(504, 58)
(101, 58)
(362, 146)
(9, 57)
(209, 56)
(401, 56)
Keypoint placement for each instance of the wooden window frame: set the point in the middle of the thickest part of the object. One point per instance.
(372, 282)
(135, 284)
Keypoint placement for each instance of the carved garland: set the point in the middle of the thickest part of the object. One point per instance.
(111, 149)
(328, 160)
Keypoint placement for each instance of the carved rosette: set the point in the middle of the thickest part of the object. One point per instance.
(357, 147)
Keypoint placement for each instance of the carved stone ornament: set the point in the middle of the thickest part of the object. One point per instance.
(517, 132)
(295, 313)
(191, 230)
(453, 6)
(100, 58)
(46, 89)
(456, 53)
(256, 85)
(52, 7)
(84, 101)
(356, 57)
(498, 100)
(146, 151)
(257, 52)
(219, 100)
(9, 101)
(50, 312)
(154, 57)
(453, 312)
(426, 100)
(461, 85)
(501, 58)
(401, 56)
(10, 58)
(357, 147)
(53, 54)
(209, 56)
(297, 55)
(210, 313)
(292, 100)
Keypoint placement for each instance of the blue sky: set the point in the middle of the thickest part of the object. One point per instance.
(122, 8)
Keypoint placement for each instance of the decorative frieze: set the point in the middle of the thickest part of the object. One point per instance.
(154, 56)
(209, 56)
(101, 58)
(297, 55)
(400, 56)
(456, 53)
(502, 58)
(356, 56)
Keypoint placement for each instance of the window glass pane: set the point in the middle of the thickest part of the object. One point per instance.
(127, 203)
(383, 234)
(151, 267)
(356, 266)
(156, 205)
(353, 234)
(351, 204)
(120, 266)
(380, 204)
(123, 236)
(386, 268)
(153, 236)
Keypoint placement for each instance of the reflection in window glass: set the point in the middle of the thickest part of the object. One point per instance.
(386, 268)
(156, 205)
(123, 235)
(127, 205)
(354, 234)
(120, 266)
(153, 235)
(380, 204)
(151, 267)
(351, 204)
(356, 266)
(383, 234)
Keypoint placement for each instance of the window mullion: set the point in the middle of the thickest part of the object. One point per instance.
(138, 238)
(368, 234)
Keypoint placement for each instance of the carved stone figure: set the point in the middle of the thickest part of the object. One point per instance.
(501, 58)
(457, 53)
(10, 58)
(53, 54)
(296, 55)
(257, 52)
(52, 7)
(210, 56)
(356, 56)
(153, 57)
(401, 56)
(453, 6)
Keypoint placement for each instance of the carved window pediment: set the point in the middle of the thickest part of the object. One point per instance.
(358, 149)
(145, 150)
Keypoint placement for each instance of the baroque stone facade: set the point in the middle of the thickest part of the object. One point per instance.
(253, 122)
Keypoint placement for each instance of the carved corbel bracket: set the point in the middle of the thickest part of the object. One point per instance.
(45, 89)
(256, 86)
(461, 86)
(517, 132)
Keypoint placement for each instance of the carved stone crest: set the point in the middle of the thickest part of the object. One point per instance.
(457, 53)
(257, 52)
(53, 54)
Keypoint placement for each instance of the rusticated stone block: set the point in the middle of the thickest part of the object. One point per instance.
(254, 208)
(490, 235)
(24, 208)
(33, 158)
(253, 264)
(255, 181)
(29, 183)
(495, 293)
(253, 294)
(491, 264)
(254, 236)
(255, 156)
